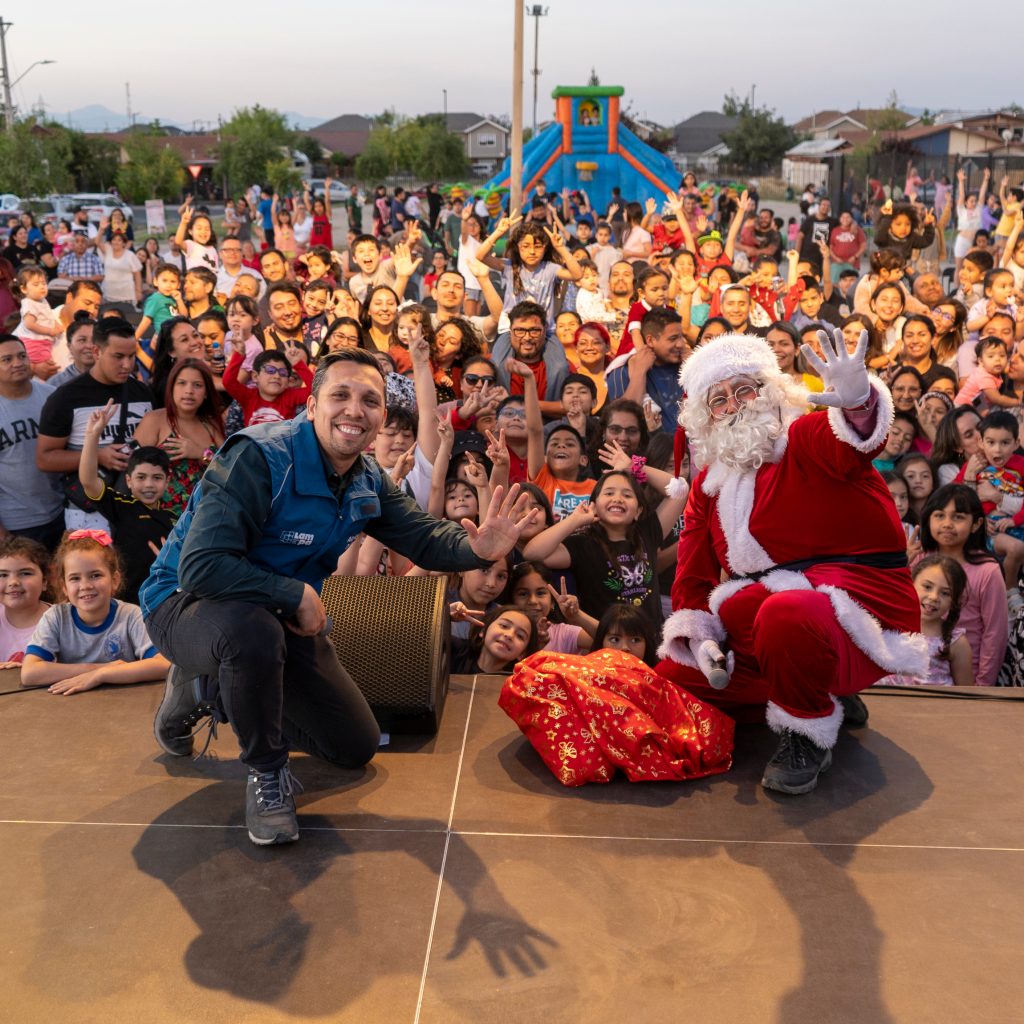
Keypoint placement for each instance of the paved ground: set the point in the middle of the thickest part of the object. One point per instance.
(455, 880)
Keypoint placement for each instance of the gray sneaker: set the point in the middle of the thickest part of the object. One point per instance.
(270, 806)
(180, 711)
(796, 765)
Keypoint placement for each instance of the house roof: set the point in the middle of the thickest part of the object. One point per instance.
(817, 121)
(347, 143)
(190, 149)
(345, 123)
(460, 123)
(702, 131)
(818, 147)
(825, 119)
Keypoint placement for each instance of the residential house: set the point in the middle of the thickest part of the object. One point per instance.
(486, 140)
(697, 141)
(345, 136)
(834, 124)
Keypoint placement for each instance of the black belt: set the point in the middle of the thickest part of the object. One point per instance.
(872, 560)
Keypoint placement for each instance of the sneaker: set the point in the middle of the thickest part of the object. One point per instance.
(796, 765)
(181, 709)
(270, 806)
(855, 711)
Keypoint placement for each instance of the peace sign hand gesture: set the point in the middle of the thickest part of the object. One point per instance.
(845, 374)
(568, 604)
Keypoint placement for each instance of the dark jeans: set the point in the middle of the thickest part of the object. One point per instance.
(279, 690)
(48, 534)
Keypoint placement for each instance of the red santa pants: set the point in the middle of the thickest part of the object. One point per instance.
(789, 649)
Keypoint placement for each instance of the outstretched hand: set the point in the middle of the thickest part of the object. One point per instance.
(844, 373)
(501, 527)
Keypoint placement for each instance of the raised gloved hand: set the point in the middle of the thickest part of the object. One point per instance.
(715, 665)
(844, 374)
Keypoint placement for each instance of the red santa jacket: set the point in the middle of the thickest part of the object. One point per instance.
(821, 496)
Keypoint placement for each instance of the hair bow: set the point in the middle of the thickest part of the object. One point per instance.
(100, 536)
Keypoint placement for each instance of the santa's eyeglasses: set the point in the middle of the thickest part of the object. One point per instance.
(722, 404)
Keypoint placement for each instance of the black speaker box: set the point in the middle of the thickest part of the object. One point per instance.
(393, 637)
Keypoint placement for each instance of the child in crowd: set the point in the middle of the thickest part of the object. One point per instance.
(196, 239)
(941, 586)
(537, 259)
(164, 303)
(39, 324)
(243, 315)
(898, 228)
(625, 628)
(985, 382)
(272, 399)
(1011, 200)
(591, 305)
(315, 297)
(460, 495)
(976, 264)
(996, 464)
(475, 592)
(953, 524)
(137, 521)
(506, 635)
(561, 625)
(652, 291)
(902, 434)
(999, 289)
(92, 638)
(1013, 251)
(916, 472)
(24, 570)
(611, 543)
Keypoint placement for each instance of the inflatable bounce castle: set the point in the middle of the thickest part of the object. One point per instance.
(588, 147)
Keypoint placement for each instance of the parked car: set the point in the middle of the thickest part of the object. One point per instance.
(339, 190)
(99, 205)
(47, 210)
(9, 203)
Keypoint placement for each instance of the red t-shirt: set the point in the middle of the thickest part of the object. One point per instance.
(518, 468)
(321, 233)
(540, 373)
(660, 238)
(704, 267)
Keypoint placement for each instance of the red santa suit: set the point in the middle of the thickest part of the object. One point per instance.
(802, 620)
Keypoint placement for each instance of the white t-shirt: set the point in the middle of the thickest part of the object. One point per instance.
(302, 231)
(226, 280)
(197, 255)
(118, 282)
(467, 251)
(40, 309)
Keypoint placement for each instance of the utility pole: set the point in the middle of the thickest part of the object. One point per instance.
(515, 199)
(445, 92)
(128, 102)
(536, 12)
(8, 106)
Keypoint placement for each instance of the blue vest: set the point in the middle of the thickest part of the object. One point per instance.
(306, 530)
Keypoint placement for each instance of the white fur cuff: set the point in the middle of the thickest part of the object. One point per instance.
(685, 625)
(884, 410)
(822, 732)
(677, 487)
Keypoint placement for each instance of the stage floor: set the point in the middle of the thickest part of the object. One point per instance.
(455, 880)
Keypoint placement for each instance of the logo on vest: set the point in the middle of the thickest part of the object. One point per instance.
(293, 537)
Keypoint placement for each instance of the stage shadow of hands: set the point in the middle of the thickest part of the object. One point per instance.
(502, 938)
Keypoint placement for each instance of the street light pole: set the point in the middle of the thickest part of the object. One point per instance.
(8, 108)
(515, 198)
(536, 12)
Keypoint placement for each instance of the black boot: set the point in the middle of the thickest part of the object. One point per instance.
(182, 708)
(796, 765)
(855, 711)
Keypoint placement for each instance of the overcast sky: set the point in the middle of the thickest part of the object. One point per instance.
(321, 58)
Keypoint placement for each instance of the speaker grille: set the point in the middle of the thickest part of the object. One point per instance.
(392, 636)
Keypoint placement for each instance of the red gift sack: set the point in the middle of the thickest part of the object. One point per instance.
(587, 716)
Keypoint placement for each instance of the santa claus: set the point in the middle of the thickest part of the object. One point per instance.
(792, 590)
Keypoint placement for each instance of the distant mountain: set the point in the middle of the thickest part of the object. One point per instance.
(97, 118)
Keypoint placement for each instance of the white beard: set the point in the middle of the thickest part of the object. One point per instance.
(747, 439)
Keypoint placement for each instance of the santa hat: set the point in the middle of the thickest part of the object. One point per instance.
(728, 355)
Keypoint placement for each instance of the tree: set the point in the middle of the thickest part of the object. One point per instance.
(254, 138)
(310, 146)
(34, 159)
(152, 171)
(421, 146)
(760, 137)
(94, 161)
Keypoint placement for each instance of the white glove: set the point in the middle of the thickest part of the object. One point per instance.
(844, 374)
(709, 657)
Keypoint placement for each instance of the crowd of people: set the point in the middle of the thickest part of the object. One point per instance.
(540, 347)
